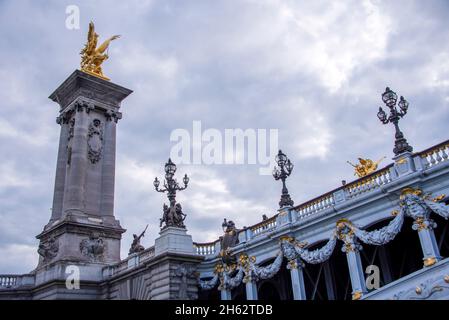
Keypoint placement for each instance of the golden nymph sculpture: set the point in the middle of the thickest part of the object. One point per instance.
(365, 166)
(91, 56)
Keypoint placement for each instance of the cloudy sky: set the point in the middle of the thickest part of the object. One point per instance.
(314, 70)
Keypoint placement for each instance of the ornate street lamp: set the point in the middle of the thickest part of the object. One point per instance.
(284, 169)
(390, 98)
(173, 215)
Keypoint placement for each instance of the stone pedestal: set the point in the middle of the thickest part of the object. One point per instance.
(174, 240)
(403, 164)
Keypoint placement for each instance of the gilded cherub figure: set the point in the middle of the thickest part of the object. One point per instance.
(92, 56)
(365, 166)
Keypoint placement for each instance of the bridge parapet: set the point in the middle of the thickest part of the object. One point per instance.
(9, 281)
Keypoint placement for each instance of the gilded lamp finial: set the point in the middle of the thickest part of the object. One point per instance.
(365, 166)
(92, 56)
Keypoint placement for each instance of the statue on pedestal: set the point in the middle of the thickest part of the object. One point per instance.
(92, 56)
(173, 215)
(135, 245)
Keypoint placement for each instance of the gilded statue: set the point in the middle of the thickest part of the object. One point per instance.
(365, 166)
(92, 56)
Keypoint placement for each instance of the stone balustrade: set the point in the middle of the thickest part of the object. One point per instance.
(130, 262)
(206, 249)
(434, 155)
(263, 226)
(315, 205)
(146, 254)
(14, 281)
(8, 281)
(369, 182)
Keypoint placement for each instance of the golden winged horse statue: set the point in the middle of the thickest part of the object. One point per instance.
(365, 166)
(91, 56)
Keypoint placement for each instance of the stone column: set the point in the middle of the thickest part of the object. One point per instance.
(431, 253)
(297, 276)
(225, 294)
(356, 274)
(108, 177)
(78, 161)
(351, 248)
(58, 196)
(251, 290)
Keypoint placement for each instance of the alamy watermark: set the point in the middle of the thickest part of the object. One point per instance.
(231, 146)
(72, 281)
(373, 279)
(72, 21)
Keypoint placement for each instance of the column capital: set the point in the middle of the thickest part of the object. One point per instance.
(345, 233)
(82, 105)
(112, 115)
(64, 117)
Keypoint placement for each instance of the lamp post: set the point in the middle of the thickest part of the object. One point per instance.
(281, 172)
(170, 184)
(390, 98)
(173, 215)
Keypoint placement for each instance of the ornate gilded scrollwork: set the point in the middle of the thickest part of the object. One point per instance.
(345, 232)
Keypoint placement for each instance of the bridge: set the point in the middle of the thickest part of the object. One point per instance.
(392, 221)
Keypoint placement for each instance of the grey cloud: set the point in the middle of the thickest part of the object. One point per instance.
(246, 64)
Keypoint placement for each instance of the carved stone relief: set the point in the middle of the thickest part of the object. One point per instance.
(48, 249)
(95, 141)
(184, 272)
(70, 139)
(93, 248)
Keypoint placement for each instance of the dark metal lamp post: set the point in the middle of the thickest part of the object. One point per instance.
(173, 215)
(390, 98)
(170, 184)
(284, 169)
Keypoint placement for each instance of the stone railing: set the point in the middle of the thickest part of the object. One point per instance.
(206, 249)
(312, 206)
(130, 262)
(146, 254)
(434, 155)
(263, 226)
(368, 183)
(8, 281)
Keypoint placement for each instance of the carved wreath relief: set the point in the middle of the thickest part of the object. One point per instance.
(95, 141)
(93, 248)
